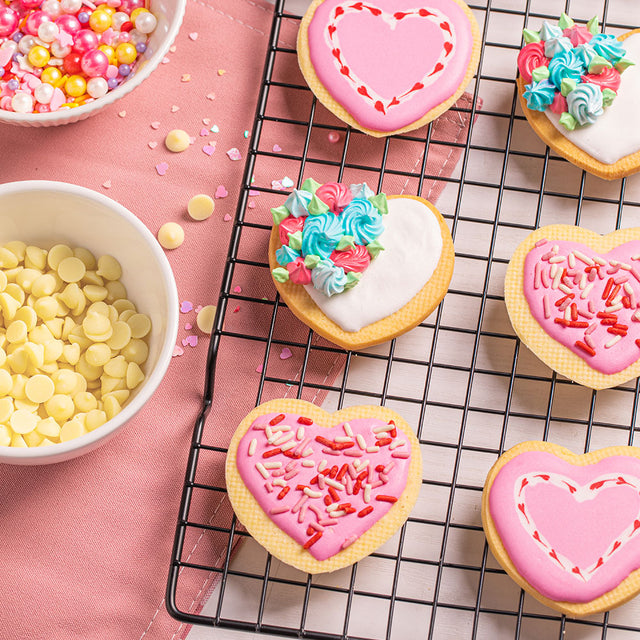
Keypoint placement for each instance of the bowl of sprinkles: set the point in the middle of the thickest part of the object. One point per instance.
(64, 60)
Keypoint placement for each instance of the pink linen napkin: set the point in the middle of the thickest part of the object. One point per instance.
(85, 545)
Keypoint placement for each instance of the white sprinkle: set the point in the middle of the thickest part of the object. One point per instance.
(307, 452)
(347, 429)
(300, 433)
(635, 274)
(276, 510)
(274, 436)
(636, 257)
(330, 452)
(553, 269)
(252, 446)
(581, 256)
(396, 443)
(268, 431)
(353, 454)
(556, 279)
(612, 342)
(303, 514)
(367, 493)
(583, 281)
(590, 342)
(308, 463)
(625, 266)
(343, 439)
(567, 312)
(616, 300)
(334, 483)
(400, 454)
(284, 427)
(383, 427)
(587, 290)
(598, 260)
(311, 493)
(564, 289)
(555, 248)
(545, 279)
(372, 449)
(285, 438)
(323, 465)
(321, 479)
(591, 306)
(572, 260)
(361, 441)
(279, 482)
(636, 316)
(556, 259)
(628, 288)
(536, 276)
(349, 541)
(277, 473)
(263, 472)
(272, 465)
(332, 507)
(362, 464)
(545, 306)
(338, 514)
(613, 308)
(287, 446)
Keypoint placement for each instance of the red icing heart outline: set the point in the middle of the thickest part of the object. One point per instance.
(361, 87)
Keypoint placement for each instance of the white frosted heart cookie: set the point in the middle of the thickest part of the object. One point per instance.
(321, 491)
(566, 527)
(579, 90)
(388, 66)
(356, 267)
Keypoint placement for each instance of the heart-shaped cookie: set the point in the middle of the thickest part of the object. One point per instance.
(388, 66)
(572, 297)
(321, 491)
(389, 285)
(566, 527)
(599, 71)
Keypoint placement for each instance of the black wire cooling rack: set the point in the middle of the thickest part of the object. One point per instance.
(473, 392)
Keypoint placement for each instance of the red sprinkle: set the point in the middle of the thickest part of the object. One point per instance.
(303, 420)
(607, 289)
(574, 311)
(291, 454)
(312, 541)
(341, 473)
(638, 342)
(310, 530)
(621, 326)
(609, 322)
(382, 498)
(334, 472)
(271, 453)
(561, 321)
(344, 505)
(586, 347)
(366, 511)
(380, 468)
(339, 446)
(284, 492)
(604, 314)
(626, 303)
(301, 487)
(362, 476)
(279, 418)
(569, 296)
(617, 332)
(326, 442)
(381, 442)
(356, 487)
(334, 494)
(314, 480)
(613, 294)
(328, 500)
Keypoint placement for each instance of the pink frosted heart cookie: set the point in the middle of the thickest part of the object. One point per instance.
(566, 527)
(388, 66)
(321, 491)
(573, 297)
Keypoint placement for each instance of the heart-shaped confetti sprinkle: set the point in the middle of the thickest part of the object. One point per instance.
(165, 60)
(285, 353)
(193, 36)
(185, 77)
(122, 114)
(188, 326)
(206, 121)
(198, 309)
(190, 341)
(287, 182)
(276, 185)
(215, 128)
(186, 306)
(178, 351)
(251, 205)
(204, 132)
(227, 217)
(259, 369)
(211, 96)
(155, 125)
(172, 48)
(192, 139)
(221, 72)
(276, 148)
(152, 144)
(107, 184)
(234, 154)
(208, 149)
(221, 192)
(161, 168)
(237, 290)
(175, 108)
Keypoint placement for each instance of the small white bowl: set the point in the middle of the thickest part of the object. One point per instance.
(169, 14)
(45, 213)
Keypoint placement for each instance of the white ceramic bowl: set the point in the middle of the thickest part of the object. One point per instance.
(46, 213)
(169, 14)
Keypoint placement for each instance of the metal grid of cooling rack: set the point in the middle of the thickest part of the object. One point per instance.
(480, 391)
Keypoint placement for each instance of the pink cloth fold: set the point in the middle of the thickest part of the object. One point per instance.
(85, 545)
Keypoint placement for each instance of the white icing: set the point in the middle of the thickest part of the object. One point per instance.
(615, 134)
(412, 244)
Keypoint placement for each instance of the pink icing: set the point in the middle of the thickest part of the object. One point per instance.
(531, 57)
(619, 315)
(389, 62)
(290, 225)
(572, 532)
(280, 491)
(356, 259)
(559, 104)
(298, 273)
(608, 79)
(578, 34)
(335, 195)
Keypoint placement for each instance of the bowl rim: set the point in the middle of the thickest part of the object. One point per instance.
(69, 116)
(90, 440)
